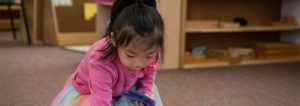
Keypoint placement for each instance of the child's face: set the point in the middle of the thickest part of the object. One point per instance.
(135, 56)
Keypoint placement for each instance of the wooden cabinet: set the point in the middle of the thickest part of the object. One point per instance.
(4, 18)
(66, 25)
(259, 15)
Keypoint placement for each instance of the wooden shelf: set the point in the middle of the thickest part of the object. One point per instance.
(14, 7)
(202, 65)
(108, 4)
(5, 23)
(241, 29)
(202, 28)
(245, 62)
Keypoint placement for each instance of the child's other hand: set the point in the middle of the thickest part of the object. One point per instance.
(139, 103)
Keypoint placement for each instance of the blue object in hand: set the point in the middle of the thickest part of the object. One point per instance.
(138, 96)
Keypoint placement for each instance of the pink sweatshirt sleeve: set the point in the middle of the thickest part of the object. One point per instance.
(147, 81)
(100, 84)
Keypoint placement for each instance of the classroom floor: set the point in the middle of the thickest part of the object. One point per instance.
(33, 75)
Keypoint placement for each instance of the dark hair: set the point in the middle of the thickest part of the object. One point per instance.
(130, 19)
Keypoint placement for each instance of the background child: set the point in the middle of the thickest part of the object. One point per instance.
(125, 59)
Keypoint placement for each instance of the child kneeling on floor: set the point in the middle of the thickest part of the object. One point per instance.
(124, 59)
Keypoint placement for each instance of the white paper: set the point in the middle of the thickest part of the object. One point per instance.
(64, 3)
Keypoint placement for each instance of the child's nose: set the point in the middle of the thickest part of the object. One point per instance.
(139, 64)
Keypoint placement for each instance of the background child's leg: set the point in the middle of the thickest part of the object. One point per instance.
(156, 96)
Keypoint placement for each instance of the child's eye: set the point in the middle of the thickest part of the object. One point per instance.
(130, 56)
(149, 57)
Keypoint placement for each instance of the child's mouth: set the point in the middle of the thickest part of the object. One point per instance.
(132, 69)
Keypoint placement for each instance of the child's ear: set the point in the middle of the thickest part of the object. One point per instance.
(112, 39)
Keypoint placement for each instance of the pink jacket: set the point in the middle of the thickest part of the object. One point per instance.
(104, 79)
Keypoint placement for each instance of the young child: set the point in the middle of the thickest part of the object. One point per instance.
(125, 59)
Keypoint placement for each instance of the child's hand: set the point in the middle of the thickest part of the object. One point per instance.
(149, 96)
(139, 103)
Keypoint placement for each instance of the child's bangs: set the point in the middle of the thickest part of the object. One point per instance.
(125, 36)
(147, 39)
